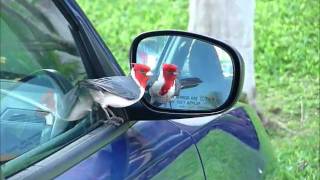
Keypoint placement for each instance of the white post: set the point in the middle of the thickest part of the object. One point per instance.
(231, 21)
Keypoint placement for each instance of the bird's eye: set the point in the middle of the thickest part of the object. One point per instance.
(143, 72)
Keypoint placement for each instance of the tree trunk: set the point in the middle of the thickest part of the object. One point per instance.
(230, 21)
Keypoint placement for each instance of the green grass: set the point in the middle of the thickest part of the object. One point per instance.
(286, 62)
(287, 65)
(118, 22)
(228, 158)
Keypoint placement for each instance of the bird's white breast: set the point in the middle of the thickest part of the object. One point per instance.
(156, 87)
(154, 92)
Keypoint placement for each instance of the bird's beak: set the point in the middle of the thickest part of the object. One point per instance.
(149, 74)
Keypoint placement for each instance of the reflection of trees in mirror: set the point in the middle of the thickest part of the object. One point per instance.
(150, 49)
(38, 34)
(154, 44)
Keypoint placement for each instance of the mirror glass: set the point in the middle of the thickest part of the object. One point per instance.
(188, 74)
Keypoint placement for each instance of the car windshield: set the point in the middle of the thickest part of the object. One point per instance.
(40, 63)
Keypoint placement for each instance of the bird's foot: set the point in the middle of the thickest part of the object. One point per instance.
(115, 121)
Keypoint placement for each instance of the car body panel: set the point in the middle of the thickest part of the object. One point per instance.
(235, 122)
(228, 145)
(143, 151)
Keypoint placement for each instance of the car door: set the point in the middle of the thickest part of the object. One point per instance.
(140, 149)
(148, 150)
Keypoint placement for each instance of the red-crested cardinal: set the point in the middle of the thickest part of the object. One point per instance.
(163, 89)
(168, 86)
(114, 91)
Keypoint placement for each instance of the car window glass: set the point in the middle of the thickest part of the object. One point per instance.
(40, 63)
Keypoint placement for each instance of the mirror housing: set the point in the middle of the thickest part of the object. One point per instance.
(157, 48)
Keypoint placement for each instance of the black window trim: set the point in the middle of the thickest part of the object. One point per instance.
(94, 51)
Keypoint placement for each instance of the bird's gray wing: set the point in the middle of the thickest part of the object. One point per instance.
(186, 83)
(190, 82)
(122, 86)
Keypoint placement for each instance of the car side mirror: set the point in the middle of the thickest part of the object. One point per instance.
(191, 73)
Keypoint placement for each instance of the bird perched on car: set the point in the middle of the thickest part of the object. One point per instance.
(168, 86)
(114, 91)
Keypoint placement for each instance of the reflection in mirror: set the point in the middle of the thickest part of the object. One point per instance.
(189, 74)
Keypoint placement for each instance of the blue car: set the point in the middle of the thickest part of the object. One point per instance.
(187, 125)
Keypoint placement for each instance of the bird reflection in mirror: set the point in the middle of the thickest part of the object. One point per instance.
(168, 85)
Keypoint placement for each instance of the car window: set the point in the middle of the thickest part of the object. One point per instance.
(40, 63)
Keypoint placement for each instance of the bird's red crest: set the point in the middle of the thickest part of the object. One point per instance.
(169, 68)
(169, 75)
(140, 72)
(141, 67)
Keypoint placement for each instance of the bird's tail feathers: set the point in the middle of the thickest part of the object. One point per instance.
(190, 82)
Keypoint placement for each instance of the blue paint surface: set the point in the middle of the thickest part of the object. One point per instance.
(235, 122)
(145, 144)
(149, 146)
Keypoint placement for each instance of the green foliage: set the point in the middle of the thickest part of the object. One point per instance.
(286, 62)
(118, 22)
